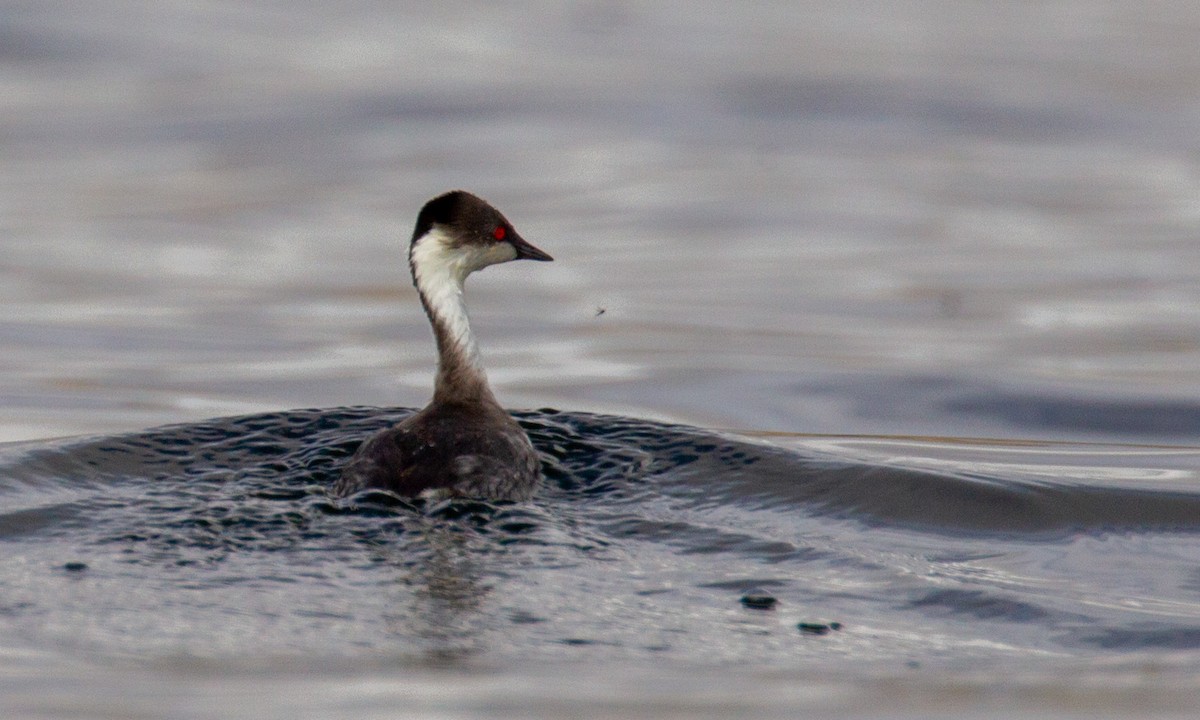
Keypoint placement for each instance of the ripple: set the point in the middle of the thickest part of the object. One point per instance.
(220, 535)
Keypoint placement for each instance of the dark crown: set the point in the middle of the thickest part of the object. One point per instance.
(469, 217)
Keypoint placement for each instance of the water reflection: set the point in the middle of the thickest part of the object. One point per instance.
(445, 597)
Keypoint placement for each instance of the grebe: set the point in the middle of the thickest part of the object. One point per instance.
(462, 442)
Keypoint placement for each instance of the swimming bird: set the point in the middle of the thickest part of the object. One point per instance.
(462, 443)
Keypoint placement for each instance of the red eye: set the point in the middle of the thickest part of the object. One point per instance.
(499, 232)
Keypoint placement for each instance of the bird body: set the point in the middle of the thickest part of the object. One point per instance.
(461, 443)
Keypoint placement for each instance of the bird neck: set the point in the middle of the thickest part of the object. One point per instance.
(439, 275)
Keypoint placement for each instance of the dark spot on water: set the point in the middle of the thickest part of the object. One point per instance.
(757, 601)
(815, 628)
(75, 566)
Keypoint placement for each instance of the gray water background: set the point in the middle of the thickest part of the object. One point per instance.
(919, 219)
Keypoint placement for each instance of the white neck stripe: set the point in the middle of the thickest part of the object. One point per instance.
(440, 269)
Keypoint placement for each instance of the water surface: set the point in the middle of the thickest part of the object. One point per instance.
(215, 545)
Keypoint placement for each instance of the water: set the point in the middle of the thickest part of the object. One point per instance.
(211, 544)
(933, 265)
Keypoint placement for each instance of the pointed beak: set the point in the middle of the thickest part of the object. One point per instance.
(525, 251)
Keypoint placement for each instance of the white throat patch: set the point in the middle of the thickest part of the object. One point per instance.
(440, 269)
